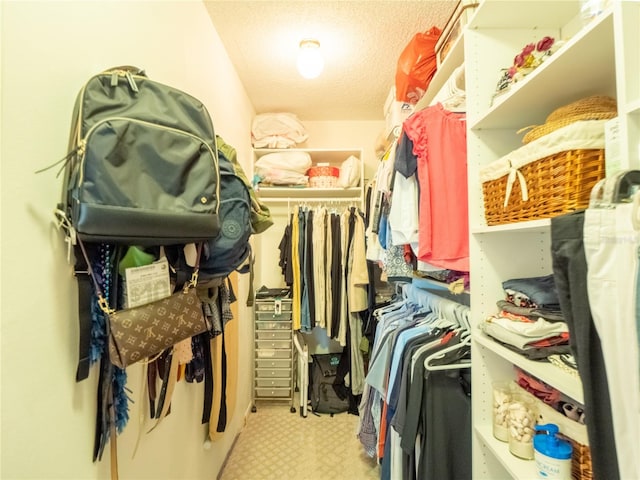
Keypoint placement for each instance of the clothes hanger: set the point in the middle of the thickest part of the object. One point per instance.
(615, 189)
(625, 185)
(464, 343)
(450, 314)
(456, 97)
(437, 321)
(462, 315)
(392, 307)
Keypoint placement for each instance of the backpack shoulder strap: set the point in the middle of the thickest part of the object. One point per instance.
(85, 293)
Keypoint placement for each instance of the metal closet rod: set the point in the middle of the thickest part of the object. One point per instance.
(312, 200)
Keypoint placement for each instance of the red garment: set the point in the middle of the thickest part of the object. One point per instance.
(440, 143)
(408, 255)
(560, 339)
(446, 337)
(538, 388)
(515, 317)
(382, 436)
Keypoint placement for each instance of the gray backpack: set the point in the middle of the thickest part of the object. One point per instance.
(322, 394)
(143, 164)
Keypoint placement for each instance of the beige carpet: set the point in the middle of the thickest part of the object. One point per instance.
(277, 444)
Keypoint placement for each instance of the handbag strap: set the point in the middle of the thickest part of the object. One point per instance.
(113, 436)
(102, 301)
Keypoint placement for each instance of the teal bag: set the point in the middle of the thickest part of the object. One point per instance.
(230, 248)
(240, 215)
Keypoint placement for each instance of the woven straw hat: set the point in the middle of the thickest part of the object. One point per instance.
(596, 107)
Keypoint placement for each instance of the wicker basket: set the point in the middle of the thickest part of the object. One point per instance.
(596, 107)
(556, 184)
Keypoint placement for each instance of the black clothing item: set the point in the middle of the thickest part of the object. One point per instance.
(371, 292)
(446, 443)
(194, 370)
(344, 367)
(222, 416)
(367, 206)
(400, 404)
(369, 322)
(208, 381)
(308, 264)
(302, 247)
(336, 275)
(570, 270)
(286, 265)
(415, 398)
(405, 162)
(351, 227)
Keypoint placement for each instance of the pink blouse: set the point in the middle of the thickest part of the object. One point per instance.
(440, 143)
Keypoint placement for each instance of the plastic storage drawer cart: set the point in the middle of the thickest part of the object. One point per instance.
(273, 371)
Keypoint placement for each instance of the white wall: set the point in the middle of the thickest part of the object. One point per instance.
(346, 134)
(48, 50)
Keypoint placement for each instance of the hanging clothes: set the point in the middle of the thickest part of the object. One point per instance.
(296, 315)
(612, 243)
(305, 261)
(403, 400)
(285, 262)
(330, 279)
(570, 273)
(328, 264)
(380, 188)
(439, 141)
(403, 213)
(333, 324)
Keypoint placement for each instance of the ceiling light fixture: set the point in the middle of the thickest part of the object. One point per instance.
(310, 61)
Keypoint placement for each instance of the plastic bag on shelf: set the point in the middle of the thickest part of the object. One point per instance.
(293, 161)
(349, 172)
(416, 66)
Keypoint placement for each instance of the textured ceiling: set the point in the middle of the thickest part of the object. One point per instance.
(361, 42)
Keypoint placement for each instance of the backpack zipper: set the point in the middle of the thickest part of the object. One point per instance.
(134, 87)
(82, 144)
(114, 83)
(123, 73)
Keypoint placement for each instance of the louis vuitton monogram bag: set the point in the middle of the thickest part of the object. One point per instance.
(141, 332)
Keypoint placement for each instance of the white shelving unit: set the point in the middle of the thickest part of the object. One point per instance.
(627, 39)
(333, 157)
(598, 58)
(281, 200)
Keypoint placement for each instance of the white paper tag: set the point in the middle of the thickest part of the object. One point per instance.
(148, 283)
